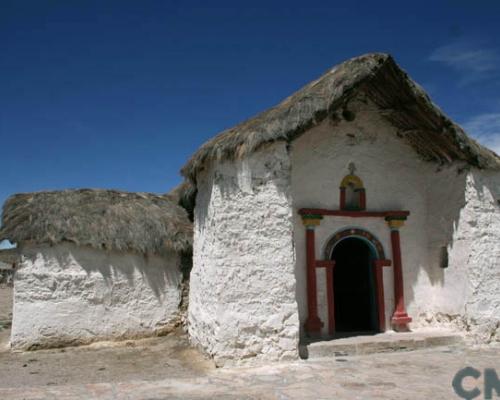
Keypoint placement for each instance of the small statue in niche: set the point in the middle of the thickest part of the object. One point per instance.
(351, 197)
(352, 191)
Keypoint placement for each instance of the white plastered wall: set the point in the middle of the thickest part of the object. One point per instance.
(249, 272)
(67, 294)
(242, 286)
(394, 178)
(464, 217)
(452, 206)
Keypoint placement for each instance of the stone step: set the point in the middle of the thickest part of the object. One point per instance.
(380, 343)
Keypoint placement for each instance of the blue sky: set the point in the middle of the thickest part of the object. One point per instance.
(118, 94)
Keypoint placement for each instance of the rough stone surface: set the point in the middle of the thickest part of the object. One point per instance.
(386, 342)
(71, 295)
(242, 291)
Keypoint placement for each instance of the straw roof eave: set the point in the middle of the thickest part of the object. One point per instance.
(184, 195)
(103, 219)
(401, 101)
(9, 256)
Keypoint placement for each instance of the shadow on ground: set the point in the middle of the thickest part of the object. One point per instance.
(147, 359)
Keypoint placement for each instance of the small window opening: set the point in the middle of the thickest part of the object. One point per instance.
(444, 257)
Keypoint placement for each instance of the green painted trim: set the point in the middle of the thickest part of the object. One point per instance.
(311, 216)
(395, 218)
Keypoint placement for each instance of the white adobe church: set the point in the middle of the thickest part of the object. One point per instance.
(354, 206)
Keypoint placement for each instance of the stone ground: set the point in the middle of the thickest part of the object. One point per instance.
(167, 368)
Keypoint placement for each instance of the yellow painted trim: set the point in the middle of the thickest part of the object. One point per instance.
(311, 221)
(395, 223)
(352, 179)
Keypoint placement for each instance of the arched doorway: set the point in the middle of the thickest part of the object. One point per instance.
(355, 301)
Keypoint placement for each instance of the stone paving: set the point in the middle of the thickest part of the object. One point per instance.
(381, 343)
(420, 374)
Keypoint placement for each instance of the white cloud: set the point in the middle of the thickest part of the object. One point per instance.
(486, 129)
(470, 59)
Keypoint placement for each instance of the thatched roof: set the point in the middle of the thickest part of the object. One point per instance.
(9, 256)
(184, 195)
(402, 102)
(103, 219)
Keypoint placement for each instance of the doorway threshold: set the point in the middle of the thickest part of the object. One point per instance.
(368, 343)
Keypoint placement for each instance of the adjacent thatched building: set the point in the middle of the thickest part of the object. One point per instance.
(96, 264)
(298, 222)
(184, 195)
(8, 259)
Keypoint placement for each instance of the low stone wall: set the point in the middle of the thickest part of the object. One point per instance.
(68, 295)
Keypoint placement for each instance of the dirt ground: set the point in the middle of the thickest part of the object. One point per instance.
(155, 371)
(146, 359)
(168, 368)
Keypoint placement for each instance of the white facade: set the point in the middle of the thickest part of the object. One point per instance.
(248, 285)
(452, 207)
(67, 294)
(394, 179)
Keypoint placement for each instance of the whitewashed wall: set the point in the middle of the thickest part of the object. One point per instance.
(242, 288)
(394, 179)
(464, 217)
(450, 206)
(72, 295)
(248, 283)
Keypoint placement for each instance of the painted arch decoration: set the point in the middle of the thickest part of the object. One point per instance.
(356, 232)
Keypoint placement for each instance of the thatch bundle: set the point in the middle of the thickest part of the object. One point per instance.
(401, 101)
(103, 219)
(184, 195)
(9, 256)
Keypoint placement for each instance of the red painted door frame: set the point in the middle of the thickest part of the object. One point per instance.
(400, 318)
(329, 266)
(379, 284)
